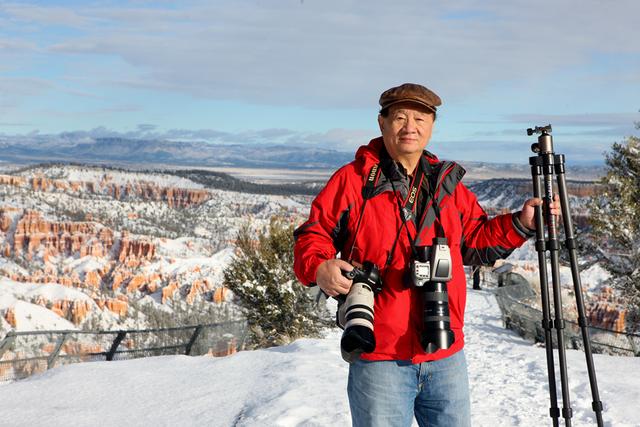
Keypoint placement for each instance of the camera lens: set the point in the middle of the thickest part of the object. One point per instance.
(437, 333)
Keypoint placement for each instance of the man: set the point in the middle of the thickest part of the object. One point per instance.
(393, 198)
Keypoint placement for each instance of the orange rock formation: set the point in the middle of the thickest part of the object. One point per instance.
(10, 316)
(220, 295)
(224, 348)
(118, 305)
(169, 291)
(92, 279)
(135, 249)
(607, 316)
(196, 289)
(33, 234)
(75, 311)
(174, 197)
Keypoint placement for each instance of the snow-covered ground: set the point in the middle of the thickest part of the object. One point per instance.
(305, 384)
(114, 176)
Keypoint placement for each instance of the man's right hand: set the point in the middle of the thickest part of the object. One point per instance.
(330, 279)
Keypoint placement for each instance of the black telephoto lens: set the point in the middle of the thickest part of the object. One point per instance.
(437, 332)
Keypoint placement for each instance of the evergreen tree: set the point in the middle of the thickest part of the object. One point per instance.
(278, 309)
(616, 221)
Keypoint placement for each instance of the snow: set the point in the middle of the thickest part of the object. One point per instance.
(180, 260)
(10, 291)
(525, 262)
(304, 383)
(31, 317)
(8, 267)
(95, 174)
(182, 247)
(85, 264)
(55, 292)
(593, 277)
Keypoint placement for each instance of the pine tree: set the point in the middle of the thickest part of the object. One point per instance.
(616, 221)
(277, 308)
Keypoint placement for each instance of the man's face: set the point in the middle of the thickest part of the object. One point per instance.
(406, 130)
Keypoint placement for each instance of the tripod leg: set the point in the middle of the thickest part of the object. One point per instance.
(554, 412)
(557, 291)
(577, 286)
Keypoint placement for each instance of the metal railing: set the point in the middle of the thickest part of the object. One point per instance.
(25, 353)
(512, 293)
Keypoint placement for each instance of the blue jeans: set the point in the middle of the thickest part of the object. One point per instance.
(390, 393)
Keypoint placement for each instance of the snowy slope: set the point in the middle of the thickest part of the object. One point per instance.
(97, 174)
(305, 384)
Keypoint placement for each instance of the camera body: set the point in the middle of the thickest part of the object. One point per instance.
(355, 311)
(430, 270)
(433, 263)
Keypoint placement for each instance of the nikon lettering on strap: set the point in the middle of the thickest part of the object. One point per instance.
(373, 174)
(370, 184)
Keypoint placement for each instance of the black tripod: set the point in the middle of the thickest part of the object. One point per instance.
(545, 164)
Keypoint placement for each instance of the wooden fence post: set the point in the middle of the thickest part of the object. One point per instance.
(634, 347)
(54, 355)
(193, 339)
(7, 341)
(116, 343)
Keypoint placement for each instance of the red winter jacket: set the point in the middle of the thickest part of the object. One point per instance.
(473, 238)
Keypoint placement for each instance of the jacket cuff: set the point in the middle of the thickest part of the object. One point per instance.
(524, 231)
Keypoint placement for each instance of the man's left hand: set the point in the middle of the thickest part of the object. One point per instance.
(527, 217)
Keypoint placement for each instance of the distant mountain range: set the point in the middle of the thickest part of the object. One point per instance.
(123, 151)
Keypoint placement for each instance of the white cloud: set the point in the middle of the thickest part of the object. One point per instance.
(22, 86)
(581, 120)
(47, 15)
(336, 53)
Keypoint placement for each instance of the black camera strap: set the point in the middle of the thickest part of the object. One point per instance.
(406, 208)
(406, 211)
(367, 193)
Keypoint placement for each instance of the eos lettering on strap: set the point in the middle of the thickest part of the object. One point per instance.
(409, 206)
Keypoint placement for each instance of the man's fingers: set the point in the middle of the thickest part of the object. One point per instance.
(343, 281)
(330, 277)
(343, 290)
(534, 202)
(555, 206)
(537, 202)
(336, 289)
(343, 265)
(340, 284)
(343, 285)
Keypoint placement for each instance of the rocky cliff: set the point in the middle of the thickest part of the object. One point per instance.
(144, 190)
(47, 249)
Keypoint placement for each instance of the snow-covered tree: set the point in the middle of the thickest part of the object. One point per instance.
(616, 221)
(278, 309)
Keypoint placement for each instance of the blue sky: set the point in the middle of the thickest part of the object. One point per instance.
(311, 71)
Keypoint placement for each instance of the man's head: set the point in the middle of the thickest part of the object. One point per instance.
(406, 119)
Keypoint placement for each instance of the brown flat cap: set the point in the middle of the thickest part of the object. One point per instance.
(410, 92)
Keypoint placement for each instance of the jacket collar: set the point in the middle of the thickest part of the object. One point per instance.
(392, 171)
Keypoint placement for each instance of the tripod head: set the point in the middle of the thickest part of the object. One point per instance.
(545, 142)
(539, 129)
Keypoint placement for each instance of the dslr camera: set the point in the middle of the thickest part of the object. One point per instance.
(355, 311)
(431, 270)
